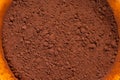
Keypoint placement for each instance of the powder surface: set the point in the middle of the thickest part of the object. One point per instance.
(60, 39)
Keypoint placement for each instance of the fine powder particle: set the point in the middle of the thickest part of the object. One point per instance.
(60, 39)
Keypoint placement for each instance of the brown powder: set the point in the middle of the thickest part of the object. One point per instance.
(60, 39)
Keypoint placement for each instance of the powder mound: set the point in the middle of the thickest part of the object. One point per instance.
(60, 39)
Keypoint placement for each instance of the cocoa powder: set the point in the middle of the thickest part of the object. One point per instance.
(60, 39)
